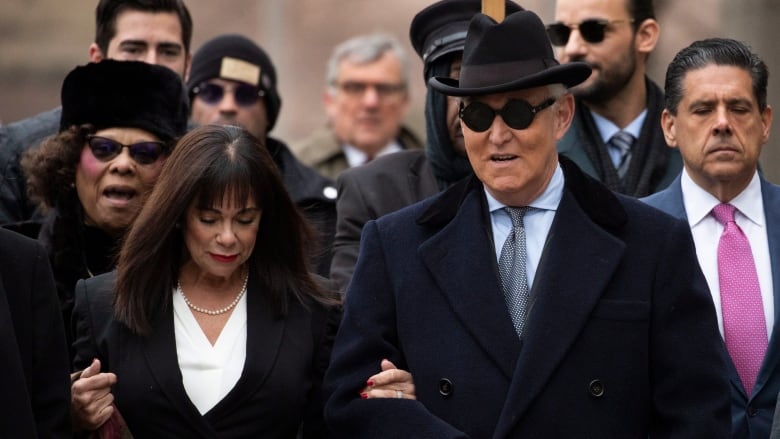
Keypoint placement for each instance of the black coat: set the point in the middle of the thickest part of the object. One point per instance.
(621, 339)
(34, 364)
(370, 191)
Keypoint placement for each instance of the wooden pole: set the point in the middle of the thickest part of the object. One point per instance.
(494, 9)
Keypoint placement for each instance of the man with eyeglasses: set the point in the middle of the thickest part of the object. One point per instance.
(233, 82)
(152, 31)
(366, 99)
(616, 133)
(528, 301)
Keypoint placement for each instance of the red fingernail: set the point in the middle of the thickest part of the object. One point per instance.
(364, 395)
(370, 383)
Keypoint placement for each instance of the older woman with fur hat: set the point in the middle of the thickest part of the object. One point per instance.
(119, 122)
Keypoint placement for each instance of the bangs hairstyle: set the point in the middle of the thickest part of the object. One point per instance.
(211, 166)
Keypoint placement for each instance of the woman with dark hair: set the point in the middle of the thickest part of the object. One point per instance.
(212, 324)
(119, 121)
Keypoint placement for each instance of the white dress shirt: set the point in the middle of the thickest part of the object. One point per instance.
(537, 223)
(209, 371)
(706, 231)
(356, 157)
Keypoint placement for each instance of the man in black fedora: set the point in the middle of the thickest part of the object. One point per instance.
(528, 301)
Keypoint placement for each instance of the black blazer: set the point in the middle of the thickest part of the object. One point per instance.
(34, 366)
(367, 192)
(278, 390)
(621, 339)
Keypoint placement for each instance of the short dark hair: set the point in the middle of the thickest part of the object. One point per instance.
(717, 51)
(640, 10)
(108, 10)
(209, 163)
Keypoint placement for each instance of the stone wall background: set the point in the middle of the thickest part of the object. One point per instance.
(41, 40)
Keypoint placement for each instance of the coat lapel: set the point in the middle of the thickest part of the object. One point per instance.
(771, 197)
(560, 304)
(161, 358)
(420, 179)
(475, 298)
(264, 339)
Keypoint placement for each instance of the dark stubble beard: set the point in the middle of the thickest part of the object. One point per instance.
(611, 80)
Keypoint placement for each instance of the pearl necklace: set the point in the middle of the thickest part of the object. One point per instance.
(214, 312)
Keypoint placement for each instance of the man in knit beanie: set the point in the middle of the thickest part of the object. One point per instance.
(233, 82)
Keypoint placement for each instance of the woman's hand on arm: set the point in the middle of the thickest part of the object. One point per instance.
(91, 398)
(391, 382)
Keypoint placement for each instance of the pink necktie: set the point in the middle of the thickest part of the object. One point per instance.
(744, 326)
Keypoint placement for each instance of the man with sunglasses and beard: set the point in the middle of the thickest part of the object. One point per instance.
(233, 82)
(616, 133)
(528, 300)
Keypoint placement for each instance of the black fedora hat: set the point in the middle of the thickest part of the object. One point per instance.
(512, 55)
(440, 28)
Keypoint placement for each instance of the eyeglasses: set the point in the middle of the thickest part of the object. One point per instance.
(517, 114)
(245, 95)
(145, 153)
(357, 89)
(592, 30)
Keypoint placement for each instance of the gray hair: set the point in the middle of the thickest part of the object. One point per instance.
(365, 49)
(714, 51)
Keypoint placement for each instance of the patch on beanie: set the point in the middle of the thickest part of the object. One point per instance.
(239, 70)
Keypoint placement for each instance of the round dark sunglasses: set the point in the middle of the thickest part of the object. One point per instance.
(592, 30)
(245, 95)
(517, 114)
(145, 153)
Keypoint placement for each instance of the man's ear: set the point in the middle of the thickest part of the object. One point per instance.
(564, 113)
(95, 54)
(647, 35)
(670, 130)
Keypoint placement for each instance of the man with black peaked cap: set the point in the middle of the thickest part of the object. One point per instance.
(391, 182)
(528, 300)
(233, 82)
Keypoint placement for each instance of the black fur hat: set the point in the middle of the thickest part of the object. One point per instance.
(133, 94)
(237, 58)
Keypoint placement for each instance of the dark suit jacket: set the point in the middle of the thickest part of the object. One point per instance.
(751, 416)
(370, 191)
(582, 136)
(34, 365)
(621, 341)
(280, 386)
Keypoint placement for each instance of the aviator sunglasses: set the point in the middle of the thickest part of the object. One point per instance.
(517, 114)
(592, 30)
(245, 95)
(145, 153)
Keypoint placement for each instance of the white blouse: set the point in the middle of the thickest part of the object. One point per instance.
(209, 372)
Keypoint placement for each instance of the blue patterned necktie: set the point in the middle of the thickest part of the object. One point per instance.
(511, 267)
(622, 141)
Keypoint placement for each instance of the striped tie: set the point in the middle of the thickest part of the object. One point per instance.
(622, 141)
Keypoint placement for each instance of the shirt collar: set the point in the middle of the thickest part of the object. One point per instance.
(356, 157)
(699, 203)
(607, 128)
(548, 200)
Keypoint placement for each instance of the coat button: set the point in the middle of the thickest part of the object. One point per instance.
(752, 411)
(596, 388)
(445, 387)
